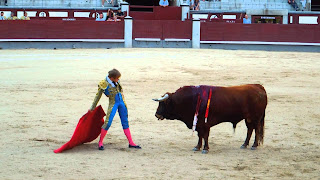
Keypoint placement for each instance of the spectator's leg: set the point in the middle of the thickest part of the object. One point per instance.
(303, 4)
(102, 3)
(296, 7)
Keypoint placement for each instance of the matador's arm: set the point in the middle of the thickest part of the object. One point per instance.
(101, 87)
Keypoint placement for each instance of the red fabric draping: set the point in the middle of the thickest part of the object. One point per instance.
(87, 130)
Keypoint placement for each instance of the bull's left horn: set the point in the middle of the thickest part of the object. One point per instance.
(166, 96)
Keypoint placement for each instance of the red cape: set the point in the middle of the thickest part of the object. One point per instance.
(87, 130)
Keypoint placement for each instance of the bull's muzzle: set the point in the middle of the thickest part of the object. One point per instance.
(160, 117)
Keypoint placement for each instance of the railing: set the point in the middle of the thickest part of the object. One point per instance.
(294, 17)
(55, 4)
(57, 13)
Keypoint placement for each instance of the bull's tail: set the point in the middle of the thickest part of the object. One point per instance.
(261, 129)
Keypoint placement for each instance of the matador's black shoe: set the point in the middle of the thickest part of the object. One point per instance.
(136, 147)
(101, 148)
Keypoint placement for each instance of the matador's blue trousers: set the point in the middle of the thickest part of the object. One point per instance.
(112, 109)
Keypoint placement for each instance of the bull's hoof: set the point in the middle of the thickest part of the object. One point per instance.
(196, 149)
(205, 151)
(253, 147)
(243, 146)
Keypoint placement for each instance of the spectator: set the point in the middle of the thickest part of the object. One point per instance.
(246, 20)
(12, 17)
(196, 5)
(2, 17)
(103, 1)
(163, 3)
(111, 16)
(25, 16)
(190, 4)
(120, 14)
(6, 3)
(100, 18)
(110, 2)
(303, 3)
(294, 4)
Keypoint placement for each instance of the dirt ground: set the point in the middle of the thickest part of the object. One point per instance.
(45, 92)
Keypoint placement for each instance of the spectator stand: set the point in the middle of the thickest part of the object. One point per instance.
(305, 17)
(218, 16)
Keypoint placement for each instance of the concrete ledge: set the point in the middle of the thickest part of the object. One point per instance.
(148, 39)
(177, 40)
(63, 40)
(59, 45)
(260, 43)
(262, 47)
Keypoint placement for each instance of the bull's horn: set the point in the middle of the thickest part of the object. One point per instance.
(166, 96)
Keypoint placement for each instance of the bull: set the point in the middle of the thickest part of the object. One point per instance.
(226, 104)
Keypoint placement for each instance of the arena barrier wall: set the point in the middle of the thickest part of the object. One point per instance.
(57, 29)
(162, 29)
(153, 33)
(260, 32)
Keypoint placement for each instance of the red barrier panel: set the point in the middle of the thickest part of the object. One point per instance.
(157, 13)
(167, 13)
(57, 29)
(259, 32)
(177, 29)
(147, 29)
(162, 29)
(137, 15)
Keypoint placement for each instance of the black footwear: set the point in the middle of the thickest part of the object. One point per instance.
(136, 147)
(101, 148)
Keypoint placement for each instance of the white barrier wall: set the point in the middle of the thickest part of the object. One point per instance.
(196, 33)
(128, 32)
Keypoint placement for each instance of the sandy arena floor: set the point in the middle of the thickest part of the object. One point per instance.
(45, 92)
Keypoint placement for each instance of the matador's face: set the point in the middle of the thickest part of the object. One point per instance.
(114, 79)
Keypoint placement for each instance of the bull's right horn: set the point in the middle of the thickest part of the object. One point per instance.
(166, 96)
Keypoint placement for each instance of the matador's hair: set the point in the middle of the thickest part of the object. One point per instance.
(114, 73)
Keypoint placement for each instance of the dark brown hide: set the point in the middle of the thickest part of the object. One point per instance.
(228, 104)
